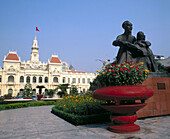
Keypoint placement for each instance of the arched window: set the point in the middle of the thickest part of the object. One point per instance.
(0, 78)
(10, 91)
(34, 79)
(11, 79)
(46, 91)
(55, 80)
(74, 80)
(34, 91)
(21, 79)
(83, 80)
(28, 79)
(40, 79)
(46, 80)
(21, 91)
(64, 79)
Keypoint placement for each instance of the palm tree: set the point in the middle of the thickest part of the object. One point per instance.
(74, 90)
(51, 92)
(63, 89)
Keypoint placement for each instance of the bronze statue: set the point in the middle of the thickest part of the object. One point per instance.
(132, 49)
(121, 41)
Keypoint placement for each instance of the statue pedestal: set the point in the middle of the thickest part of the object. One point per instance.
(159, 103)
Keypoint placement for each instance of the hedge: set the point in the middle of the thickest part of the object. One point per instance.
(23, 105)
(82, 119)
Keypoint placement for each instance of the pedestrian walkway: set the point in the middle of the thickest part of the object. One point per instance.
(40, 123)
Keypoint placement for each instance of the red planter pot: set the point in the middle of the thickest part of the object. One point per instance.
(124, 109)
(39, 97)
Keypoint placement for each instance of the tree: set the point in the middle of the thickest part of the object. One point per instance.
(74, 90)
(27, 90)
(51, 92)
(63, 89)
(94, 85)
(161, 67)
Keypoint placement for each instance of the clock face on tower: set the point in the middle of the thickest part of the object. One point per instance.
(34, 65)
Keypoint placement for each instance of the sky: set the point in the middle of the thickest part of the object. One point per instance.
(80, 31)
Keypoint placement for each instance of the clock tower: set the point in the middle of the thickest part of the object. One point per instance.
(35, 53)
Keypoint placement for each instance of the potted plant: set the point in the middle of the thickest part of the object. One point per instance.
(40, 91)
(8, 96)
(120, 86)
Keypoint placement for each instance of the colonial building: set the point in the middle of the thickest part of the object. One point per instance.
(15, 73)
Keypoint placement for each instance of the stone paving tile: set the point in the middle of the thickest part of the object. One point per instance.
(40, 123)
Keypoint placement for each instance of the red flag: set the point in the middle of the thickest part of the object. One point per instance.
(37, 29)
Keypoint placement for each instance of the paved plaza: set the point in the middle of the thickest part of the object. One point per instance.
(40, 123)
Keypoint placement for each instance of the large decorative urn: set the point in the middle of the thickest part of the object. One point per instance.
(123, 102)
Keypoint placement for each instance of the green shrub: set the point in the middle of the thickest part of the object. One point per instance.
(8, 95)
(28, 104)
(82, 119)
(41, 103)
(15, 106)
(1, 99)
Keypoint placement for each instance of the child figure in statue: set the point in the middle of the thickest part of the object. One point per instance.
(142, 53)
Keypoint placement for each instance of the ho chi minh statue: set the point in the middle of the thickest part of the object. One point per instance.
(132, 49)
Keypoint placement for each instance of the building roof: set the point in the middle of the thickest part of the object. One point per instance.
(71, 68)
(165, 62)
(12, 56)
(55, 59)
(76, 71)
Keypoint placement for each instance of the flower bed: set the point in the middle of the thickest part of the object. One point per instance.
(82, 109)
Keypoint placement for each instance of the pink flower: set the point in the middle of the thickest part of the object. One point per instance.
(114, 74)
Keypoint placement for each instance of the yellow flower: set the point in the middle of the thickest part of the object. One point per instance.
(141, 63)
(103, 66)
(118, 65)
(97, 70)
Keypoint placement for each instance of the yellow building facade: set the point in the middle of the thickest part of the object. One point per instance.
(15, 74)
